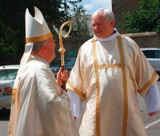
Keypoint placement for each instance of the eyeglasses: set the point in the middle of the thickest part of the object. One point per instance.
(52, 40)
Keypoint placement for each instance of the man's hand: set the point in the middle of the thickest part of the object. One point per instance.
(62, 76)
(152, 113)
(62, 90)
(75, 118)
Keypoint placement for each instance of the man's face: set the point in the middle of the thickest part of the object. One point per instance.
(102, 29)
(50, 47)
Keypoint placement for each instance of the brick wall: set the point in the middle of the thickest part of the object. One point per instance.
(71, 44)
(119, 6)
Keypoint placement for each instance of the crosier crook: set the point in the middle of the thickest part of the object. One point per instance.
(62, 49)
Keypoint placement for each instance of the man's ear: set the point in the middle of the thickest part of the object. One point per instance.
(44, 47)
(112, 22)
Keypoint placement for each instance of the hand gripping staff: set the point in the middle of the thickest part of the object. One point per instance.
(62, 49)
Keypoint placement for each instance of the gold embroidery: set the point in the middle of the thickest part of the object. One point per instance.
(125, 106)
(82, 95)
(13, 100)
(14, 95)
(39, 38)
(9, 129)
(97, 89)
(14, 92)
(122, 66)
(148, 83)
(109, 66)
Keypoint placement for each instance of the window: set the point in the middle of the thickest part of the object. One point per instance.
(149, 54)
(8, 74)
(157, 54)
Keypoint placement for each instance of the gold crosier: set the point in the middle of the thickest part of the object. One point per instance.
(62, 49)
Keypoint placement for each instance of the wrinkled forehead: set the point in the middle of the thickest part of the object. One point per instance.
(98, 18)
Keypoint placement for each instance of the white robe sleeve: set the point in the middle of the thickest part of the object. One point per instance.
(152, 98)
(76, 104)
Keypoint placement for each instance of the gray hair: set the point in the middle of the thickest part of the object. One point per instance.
(37, 46)
(104, 12)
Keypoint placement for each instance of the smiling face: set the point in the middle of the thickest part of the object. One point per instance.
(102, 29)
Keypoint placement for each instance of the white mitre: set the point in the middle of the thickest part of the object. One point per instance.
(36, 31)
(36, 27)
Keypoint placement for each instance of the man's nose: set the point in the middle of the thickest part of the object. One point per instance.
(96, 27)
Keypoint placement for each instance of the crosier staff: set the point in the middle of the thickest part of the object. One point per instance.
(62, 49)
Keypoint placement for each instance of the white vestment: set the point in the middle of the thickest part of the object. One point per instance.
(38, 107)
(106, 76)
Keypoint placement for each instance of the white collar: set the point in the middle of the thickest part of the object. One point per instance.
(116, 34)
(43, 60)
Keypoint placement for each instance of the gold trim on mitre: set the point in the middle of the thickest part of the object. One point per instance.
(40, 38)
(37, 29)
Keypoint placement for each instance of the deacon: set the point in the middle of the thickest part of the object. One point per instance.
(109, 72)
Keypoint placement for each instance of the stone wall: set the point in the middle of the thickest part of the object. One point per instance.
(72, 45)
(146, 40)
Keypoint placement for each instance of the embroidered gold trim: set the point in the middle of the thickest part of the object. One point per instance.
(97, 89)
(14, 92)
(148, 83)
(9, 129)
(109, 66)
(13, 95)
(122, 66)
(125, 106)
(39, 38)
(82, 95)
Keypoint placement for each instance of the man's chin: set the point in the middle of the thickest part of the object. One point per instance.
(99, 35)
(54, 57)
